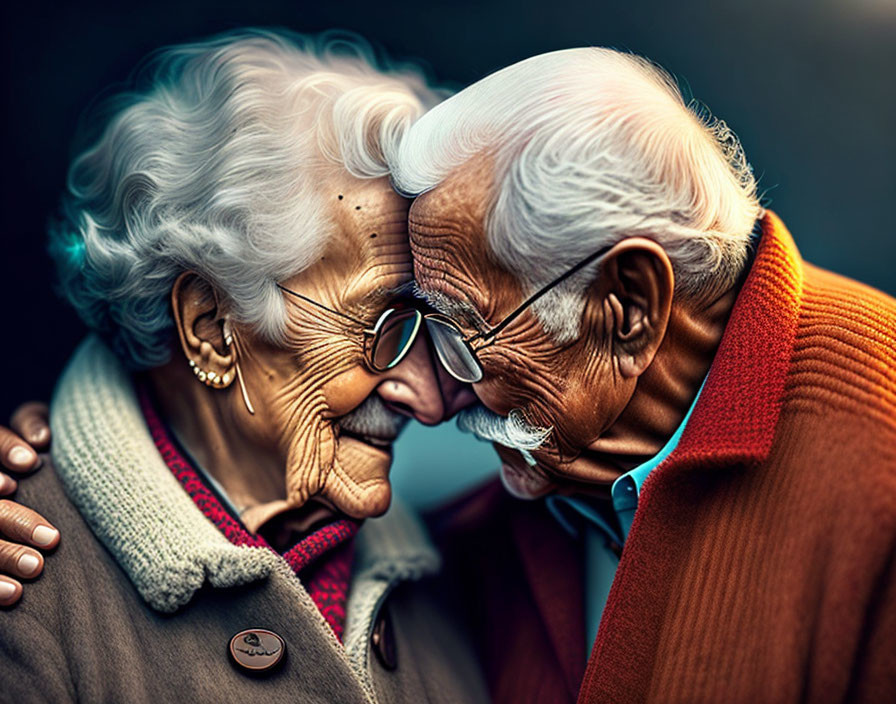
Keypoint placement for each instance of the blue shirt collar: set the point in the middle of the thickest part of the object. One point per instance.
(624, 491)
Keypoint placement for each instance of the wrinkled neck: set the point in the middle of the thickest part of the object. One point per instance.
(666, 390)
(205, 422)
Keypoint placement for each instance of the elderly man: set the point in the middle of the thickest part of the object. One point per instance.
(709, 417)
(231, 238)
(715, 418)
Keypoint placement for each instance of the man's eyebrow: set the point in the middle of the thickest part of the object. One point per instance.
(406, 290)
(452, 307)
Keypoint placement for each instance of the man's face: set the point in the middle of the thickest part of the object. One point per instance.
(330, 417)
(569, 388)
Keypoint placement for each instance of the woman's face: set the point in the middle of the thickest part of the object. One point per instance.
(317, 404)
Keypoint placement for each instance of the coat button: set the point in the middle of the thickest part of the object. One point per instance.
(383, 641)
(257, 650)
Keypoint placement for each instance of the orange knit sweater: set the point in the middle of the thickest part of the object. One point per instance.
(760, 565)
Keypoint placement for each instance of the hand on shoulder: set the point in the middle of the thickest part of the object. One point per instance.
(23, 532)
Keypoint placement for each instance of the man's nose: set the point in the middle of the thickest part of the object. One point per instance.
(456, 395)
(412, 387)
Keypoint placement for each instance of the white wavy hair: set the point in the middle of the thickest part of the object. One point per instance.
(591, 146)
(211, 163)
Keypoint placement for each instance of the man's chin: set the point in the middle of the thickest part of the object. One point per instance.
(521, 481)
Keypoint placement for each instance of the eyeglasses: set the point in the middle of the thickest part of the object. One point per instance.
(396, 330)
(388, 341)
(457, 353)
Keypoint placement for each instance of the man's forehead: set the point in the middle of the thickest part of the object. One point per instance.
(464, 191)
(446, 226)
(433, 202)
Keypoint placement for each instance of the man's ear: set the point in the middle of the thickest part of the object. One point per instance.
(200, 325)
(632, 297)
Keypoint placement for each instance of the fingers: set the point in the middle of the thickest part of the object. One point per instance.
(22, 525)
(10, 591)
(32, 422)
(20, 561)
(15, 453)
(7, 484)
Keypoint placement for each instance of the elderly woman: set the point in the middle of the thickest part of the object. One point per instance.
(231, 238)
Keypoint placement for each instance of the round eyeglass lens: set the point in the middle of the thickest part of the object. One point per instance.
(454, 353)
(395, 336)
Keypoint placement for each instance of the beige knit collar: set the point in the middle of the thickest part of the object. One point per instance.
(113, 473)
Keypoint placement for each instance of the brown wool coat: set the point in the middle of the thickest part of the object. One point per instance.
(143, 595)
(760, 566)
(83, 633)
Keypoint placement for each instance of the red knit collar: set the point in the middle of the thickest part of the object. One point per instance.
(735, 418)
(732, 424)
(302, 554)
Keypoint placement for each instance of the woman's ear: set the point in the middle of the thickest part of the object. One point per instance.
(633, 294)
(200, 326)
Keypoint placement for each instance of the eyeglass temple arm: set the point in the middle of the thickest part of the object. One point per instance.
(539, 293)
(322, 306)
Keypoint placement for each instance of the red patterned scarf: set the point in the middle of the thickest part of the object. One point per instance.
(322, 559)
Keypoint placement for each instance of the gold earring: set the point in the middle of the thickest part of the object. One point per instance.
(229, 340)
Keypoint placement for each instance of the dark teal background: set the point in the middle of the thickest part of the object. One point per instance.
(807, 84)
(434, 463)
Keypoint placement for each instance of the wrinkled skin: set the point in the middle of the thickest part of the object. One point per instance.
(303, 387)
(611, 396)
(27, 531)
(367, 261)
(300, 388)
(303, 390)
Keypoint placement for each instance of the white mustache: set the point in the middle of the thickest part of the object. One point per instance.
(372, 418)
(513, 431)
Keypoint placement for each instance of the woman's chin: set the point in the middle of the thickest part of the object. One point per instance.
(358, 484)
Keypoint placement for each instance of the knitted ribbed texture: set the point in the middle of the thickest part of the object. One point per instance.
(112, 472)
(844, 356)
(387, 552)
(760, 564)
(322, 558)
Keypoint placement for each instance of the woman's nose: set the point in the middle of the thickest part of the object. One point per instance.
(413, 389)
